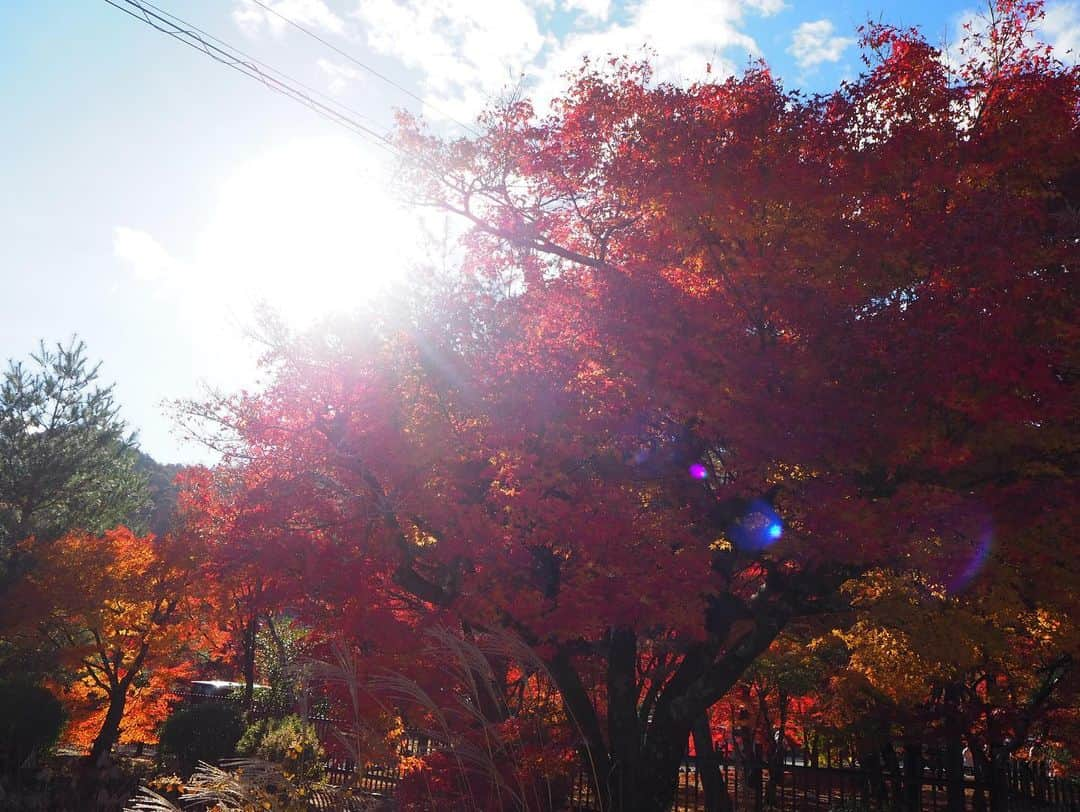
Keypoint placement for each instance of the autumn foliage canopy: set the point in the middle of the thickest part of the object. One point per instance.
(117, 611)
(733, 396)
(714, 352)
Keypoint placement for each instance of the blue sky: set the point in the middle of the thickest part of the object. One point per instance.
(152, 198)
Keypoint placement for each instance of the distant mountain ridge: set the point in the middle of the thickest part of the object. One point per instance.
(162, 490)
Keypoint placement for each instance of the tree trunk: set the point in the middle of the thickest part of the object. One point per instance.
(772, 750)
(653, 786)
(644, 772)
(999, 778)
(892, 786)
(250, 637)
(640, 772)
(954, 751)
(488, 685)
(623, 727)
(635, 768)
(870, 770)
(954, 774)
(592, 749)
(983, 769)
(708, 768)
(913, 775)
(110, 729)
(748, 768)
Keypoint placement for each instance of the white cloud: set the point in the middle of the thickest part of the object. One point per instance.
(951, 56)
(465, 50)
(816, 42)
(252, 18)
(684, 36)
(1061, 29)
(338, 75)
(593, 9)
(468, 51)
(767, 7)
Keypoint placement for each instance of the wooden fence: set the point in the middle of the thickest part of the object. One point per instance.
(810, 788)
(800, 787)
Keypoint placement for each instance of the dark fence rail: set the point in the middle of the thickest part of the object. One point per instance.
(809, 788)
(798, 787)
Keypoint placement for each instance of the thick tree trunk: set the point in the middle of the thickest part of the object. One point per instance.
(635, 768)
(644, 771)
(640, 771)
(623, 727)
(110, 729)
(652, 787)
(592, 748)
(708, 768)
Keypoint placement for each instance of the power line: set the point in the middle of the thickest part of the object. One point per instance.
(191, 36)
(250, 58)
(271, 10)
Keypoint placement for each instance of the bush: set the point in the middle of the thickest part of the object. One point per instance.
(290, 742)
(31, 719)
(205, 732)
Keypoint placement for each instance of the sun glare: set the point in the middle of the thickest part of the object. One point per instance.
(309, 228)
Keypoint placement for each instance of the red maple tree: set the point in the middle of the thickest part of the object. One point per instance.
(714, 350)
(119, 611)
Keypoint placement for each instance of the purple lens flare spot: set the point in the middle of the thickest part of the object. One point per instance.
(976, 563)
(698, 471)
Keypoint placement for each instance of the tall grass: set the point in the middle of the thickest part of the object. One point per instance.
(487, 740)
(492, 750)
(246, 784)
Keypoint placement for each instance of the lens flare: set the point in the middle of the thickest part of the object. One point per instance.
(757, 528)
(976, 563)
(698, 471)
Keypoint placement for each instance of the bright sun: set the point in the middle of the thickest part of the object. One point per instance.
(308, 228)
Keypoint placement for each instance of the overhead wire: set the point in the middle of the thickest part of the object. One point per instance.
(232, 57)
(222, 52)
(315, 91)
(346, 55)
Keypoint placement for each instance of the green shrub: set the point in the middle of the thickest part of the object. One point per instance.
(290, 742)
(206, 732)
(31, 719)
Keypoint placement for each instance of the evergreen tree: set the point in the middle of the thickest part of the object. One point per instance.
(67, 459)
